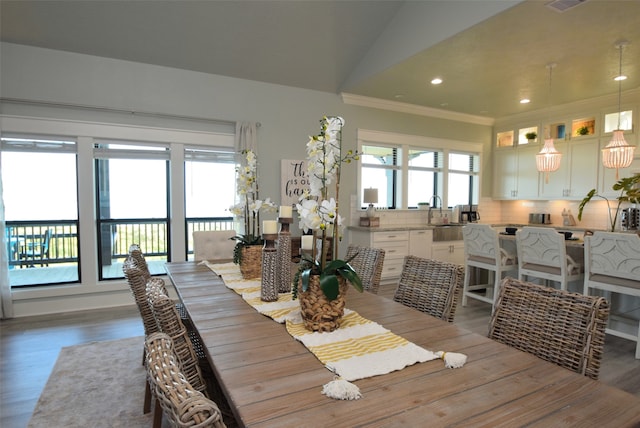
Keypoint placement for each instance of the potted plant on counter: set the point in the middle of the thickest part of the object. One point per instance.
(629, 192)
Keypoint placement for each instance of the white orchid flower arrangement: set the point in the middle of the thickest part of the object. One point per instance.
(318, 209)
(249, 206)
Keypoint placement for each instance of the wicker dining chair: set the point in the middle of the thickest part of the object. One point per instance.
(431, 286)
(183, 404)
(188, 347)
(565, 328)
(368, 264)
(168, 321)
(139, 261)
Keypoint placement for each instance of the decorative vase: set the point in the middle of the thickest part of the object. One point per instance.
(283, 275)
(251, 261)
(269, 285)
(319, 313)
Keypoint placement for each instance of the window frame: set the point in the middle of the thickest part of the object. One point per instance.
(406, 143)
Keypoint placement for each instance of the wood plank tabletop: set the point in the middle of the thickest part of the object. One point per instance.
(272, 380)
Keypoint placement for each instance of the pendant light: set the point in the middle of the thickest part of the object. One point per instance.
(618, 154)
(548, 160)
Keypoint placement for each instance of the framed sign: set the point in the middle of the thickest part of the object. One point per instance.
(293, 180)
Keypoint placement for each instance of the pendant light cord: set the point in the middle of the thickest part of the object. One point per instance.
(620, 46)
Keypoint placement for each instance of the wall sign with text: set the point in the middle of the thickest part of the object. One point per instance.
(294, 180)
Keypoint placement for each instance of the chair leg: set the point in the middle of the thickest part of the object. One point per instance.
(157, 415)
(465, 286)
(146, 408)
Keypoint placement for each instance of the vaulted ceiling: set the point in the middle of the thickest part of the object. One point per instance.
(489, 53)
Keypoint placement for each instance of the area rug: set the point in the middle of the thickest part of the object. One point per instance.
(98, 384)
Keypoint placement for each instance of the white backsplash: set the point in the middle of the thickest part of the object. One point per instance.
(595, 215)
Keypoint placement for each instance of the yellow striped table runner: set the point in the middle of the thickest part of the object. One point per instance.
(360, 348)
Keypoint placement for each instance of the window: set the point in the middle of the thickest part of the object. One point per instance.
(464, 179)
(209, 191)
(39, 177)
(132, 204)
(611, 121)
(406, 174)
(380, 166)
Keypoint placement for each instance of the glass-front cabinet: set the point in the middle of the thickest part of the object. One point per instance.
(583, 127)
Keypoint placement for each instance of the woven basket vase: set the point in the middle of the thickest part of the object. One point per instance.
(251, 261)
(319, 313)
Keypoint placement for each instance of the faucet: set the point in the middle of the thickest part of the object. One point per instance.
(436, 197)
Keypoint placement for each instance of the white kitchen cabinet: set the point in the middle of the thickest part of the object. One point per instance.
(608, 176)
(396, 245)
(448, 251)
(515, 173)
(420, 243)
(577, 173)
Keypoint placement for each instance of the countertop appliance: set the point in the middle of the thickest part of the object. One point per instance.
(630, 219)
(539, 218)
(467, 213)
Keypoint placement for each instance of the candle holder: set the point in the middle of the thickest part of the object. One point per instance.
(283, 273)
(268, 285)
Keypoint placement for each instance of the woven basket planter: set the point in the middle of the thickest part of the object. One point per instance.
(251, 261)
(319, 313)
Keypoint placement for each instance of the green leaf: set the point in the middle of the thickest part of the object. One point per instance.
(351, 276)
(305, 275)
(330, 286)
(584, 202)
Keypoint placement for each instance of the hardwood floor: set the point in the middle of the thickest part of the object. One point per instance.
(29, 348)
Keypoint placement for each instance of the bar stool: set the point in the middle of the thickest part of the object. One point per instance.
(542, 253)
(482, 250)
(612, 263)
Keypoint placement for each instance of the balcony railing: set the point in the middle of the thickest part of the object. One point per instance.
(28, 245)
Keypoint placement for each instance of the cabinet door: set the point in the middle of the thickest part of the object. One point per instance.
(608, 176)
(576, 175)
(441, 251)
(505, 167)
(527, 184)
(449, 251)
(420, 243)
(558, 181)
(584, 164)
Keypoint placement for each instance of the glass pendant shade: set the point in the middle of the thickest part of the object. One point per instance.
(617, 154)
(548, 160)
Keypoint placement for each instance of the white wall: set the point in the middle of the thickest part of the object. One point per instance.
(288, 116)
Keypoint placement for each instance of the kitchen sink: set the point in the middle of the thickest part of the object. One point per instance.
(447, 232)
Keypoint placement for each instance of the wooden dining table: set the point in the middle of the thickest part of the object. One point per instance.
(272, 380)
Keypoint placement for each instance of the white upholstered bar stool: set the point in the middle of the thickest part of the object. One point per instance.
(482, 250)
(213, 245)
(542, 253)
(612, 263)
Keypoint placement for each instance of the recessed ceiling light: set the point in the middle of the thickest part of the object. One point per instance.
(525, 101)
(398, 96)
(621, 77)
(436, 81)
(444, 104)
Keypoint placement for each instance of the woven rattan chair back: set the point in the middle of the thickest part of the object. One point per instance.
(482, 250)
(168, 321)
(137, 283)
(431, 286)
(183, 405)
(612, 263)
(368, 264)
(542, 254)
(565, 328)
(138, 257)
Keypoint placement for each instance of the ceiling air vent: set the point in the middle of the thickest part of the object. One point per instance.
(564, 5)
